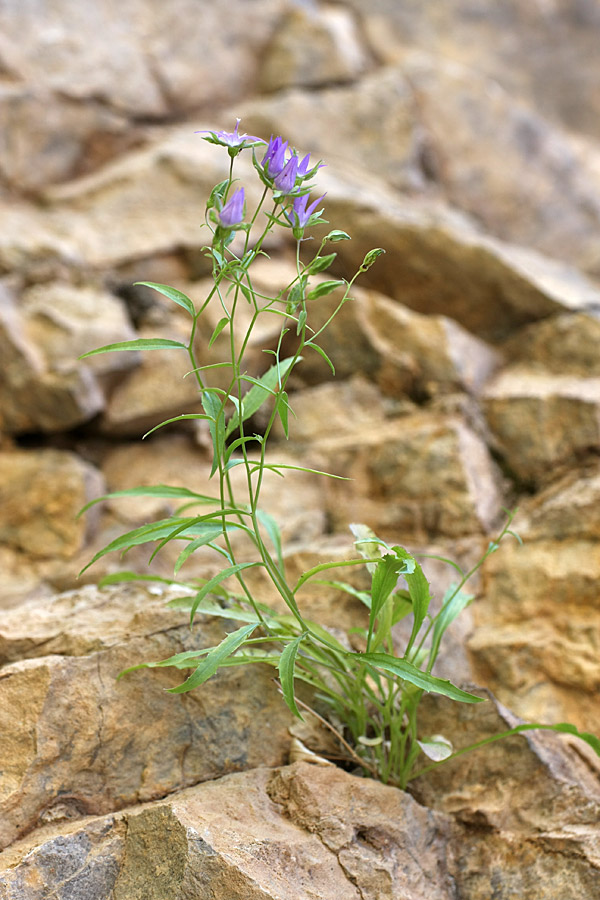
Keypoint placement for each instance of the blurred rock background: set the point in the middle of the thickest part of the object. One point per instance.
(464, 138)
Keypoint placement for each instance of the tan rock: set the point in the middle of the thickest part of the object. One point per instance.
(537, 630)
(103, 74)
(568, 508)
(542, 53)
(419, 476)
(91, 744)
(540, 421)
(313, 47)
(562, 345)
(261, 835)
(437, 261)
(308, 831)
(395, 123)
(41, 493)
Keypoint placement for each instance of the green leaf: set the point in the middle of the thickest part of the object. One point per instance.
(272, 529)
(211, 532)
(404, 670)
(419, 591)
(214, 659)
(218, 329)
(322, 353)
(213, 609)
(452, 605)
(213, 407)
(172, 294)
(326, 287)
(320, 263)
(175, 419)
(144, 535)
(122, 577)
(436, 748)
(287, 662)
(335, 236)
(256, 396)
(367, 543)
(139, 344)
(239, 442)
(385, 578)
(152, 490)
(217, 579)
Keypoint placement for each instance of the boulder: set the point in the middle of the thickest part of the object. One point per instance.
(43, 386)
(99, 78)
(561, 345)
(395, 124)
(420, 476)
(540, 421)
(537, 629)
(313, 47)
(79, 742)
(41, 492)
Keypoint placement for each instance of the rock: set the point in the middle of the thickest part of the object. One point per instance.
(437, 262)
(96, 80)
(568, 508)
(537, 630)
(540, 421)
(234, 839)
(41, 492)
(78, 742)
(395, 123)
(403, 351)
(311, 48)
(56, 137)
(419, 476)
(43, 386)
(561, 345)
(156, 390)
(543, 54)
(347, 837)
(529, 804)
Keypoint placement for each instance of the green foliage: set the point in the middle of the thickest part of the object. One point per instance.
(373, 693)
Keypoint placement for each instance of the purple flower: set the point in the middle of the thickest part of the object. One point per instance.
(285, 181)
(233, 211)
(299, 214)
(274, 159)
(303, 167)
(232, 139)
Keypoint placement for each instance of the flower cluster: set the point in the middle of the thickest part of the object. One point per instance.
(281, 170)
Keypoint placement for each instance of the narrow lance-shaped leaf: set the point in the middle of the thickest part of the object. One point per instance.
(172, 294)
(286, 665)
(139, 344)
(214, 659)
(401, 668)
(256, 396)
(217, 579)
(419, 591)
(383, 583)
(152, 490)
(326, 287)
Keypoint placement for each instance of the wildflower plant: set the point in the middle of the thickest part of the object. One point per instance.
(372, 695)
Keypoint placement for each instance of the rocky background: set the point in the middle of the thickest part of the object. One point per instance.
(465, 140)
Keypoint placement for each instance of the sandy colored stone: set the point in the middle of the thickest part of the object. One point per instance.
(74, 91)
(41, 493)
(562, 345)
(568, 508)
(418, 476)
(91, 744)
(431, 126)
(537, 630)
(313, 47)
(540, 421)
